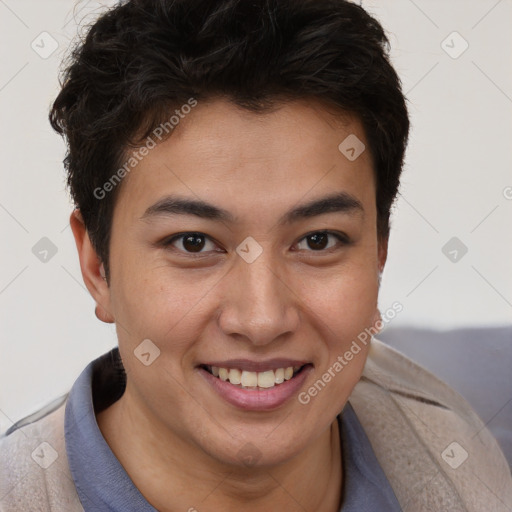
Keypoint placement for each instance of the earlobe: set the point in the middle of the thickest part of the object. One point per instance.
(103, 315)
(93, 270)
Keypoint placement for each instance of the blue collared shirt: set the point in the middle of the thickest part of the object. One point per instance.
(103, 484)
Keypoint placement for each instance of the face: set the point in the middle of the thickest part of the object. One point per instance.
(247, 243)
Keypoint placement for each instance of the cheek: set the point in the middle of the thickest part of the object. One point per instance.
(171, 309)
(345, 301)
(344, 309)
(151, 297)
(344, 312)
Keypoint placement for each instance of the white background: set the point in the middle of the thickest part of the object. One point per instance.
(458, 167)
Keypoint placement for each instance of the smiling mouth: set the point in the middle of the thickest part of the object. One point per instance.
(261, 381)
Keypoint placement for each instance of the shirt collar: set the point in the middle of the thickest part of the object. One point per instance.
(103, 484)
(100, 479)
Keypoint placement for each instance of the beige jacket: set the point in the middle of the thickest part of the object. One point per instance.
(435, 451)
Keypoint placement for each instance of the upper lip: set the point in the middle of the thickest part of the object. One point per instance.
(256, 366)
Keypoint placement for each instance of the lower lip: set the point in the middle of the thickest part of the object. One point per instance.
(253, 399)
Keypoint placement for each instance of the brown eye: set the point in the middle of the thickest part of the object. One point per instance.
(318, 241)
(190, 243)
(321, 240)
(193, 243)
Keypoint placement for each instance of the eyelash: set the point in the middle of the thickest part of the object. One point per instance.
(343, 240)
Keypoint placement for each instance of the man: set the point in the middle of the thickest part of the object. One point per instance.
(233, 165)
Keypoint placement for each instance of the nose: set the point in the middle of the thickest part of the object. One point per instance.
(259, 304)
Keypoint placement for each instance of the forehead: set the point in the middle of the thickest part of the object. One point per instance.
(221, 153)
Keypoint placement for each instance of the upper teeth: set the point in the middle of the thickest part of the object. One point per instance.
(266, 379)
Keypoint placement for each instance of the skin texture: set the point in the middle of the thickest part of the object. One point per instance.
(178, 440)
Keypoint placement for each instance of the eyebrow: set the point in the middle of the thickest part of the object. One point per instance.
(341, 202)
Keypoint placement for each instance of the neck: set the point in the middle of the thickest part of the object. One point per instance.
(175, 475)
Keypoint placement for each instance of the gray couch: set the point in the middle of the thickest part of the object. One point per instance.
(475, 362)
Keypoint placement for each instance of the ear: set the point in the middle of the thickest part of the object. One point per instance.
(382, 252)
(93, 271)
